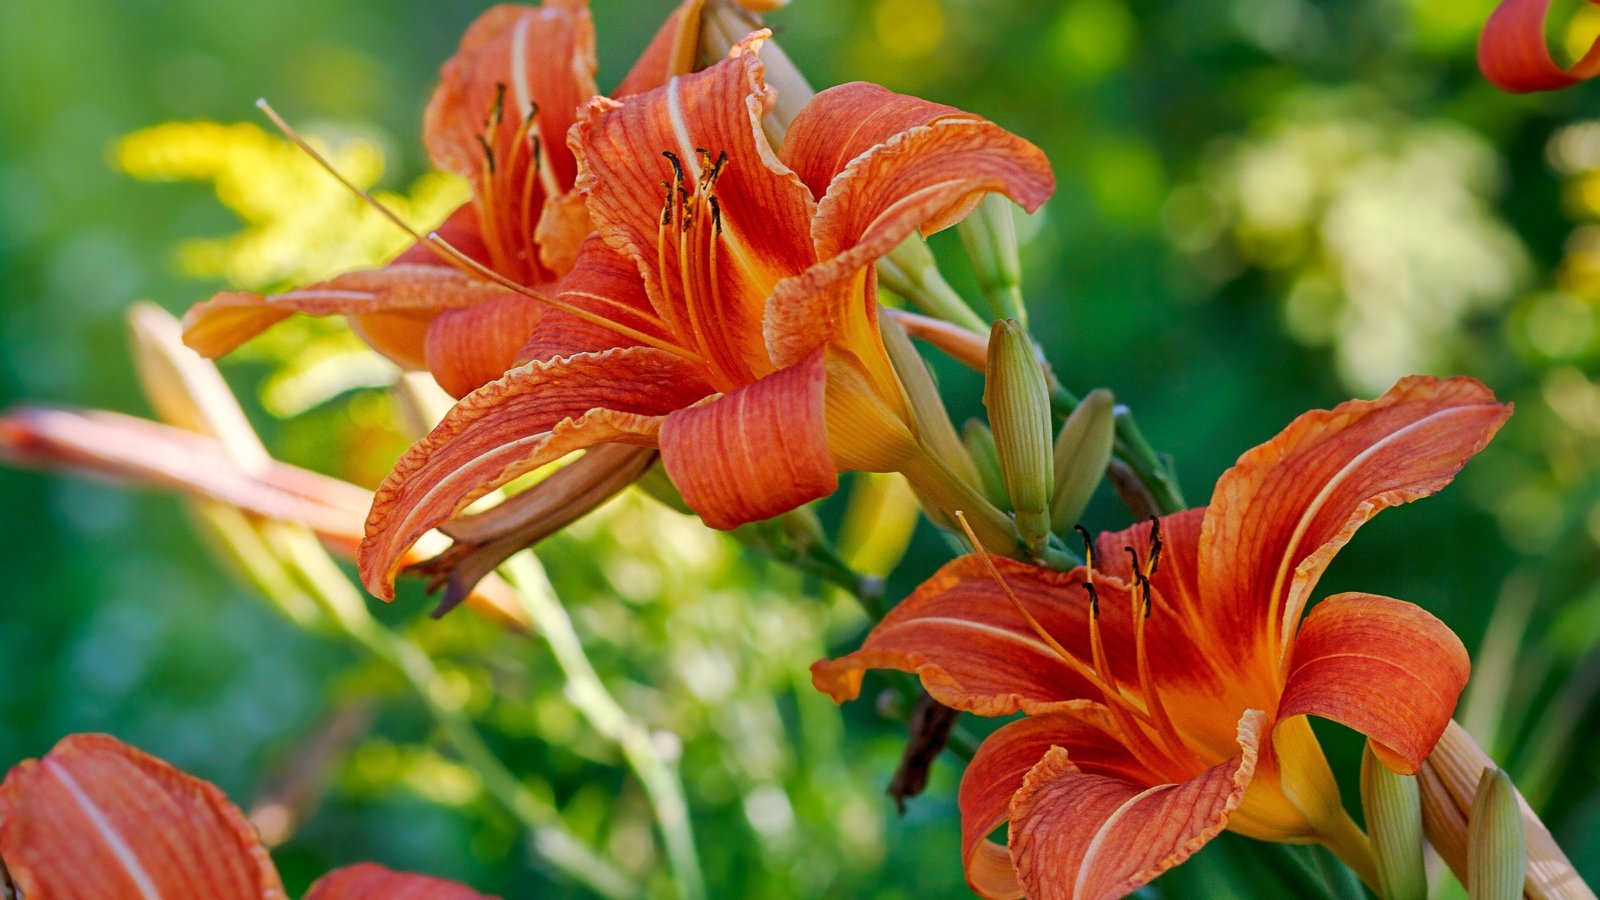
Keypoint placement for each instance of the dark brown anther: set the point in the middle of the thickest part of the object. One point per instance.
(1094, 599)
(488, 152)
(716, 168)
(1144, 588)
(930, 727)
(666, 208)
(716, 214)
(1088, 547)
(677, 167)
(1155, 544)
(497, 109)
(533, 110)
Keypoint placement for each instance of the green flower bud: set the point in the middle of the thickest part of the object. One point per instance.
(990, 236)
(1018, 399)
(1082, 451)
(1393, 807)
(979, 441)
(1497, 850)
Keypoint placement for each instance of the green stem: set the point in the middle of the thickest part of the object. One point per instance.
(658, 776)
(549, 838)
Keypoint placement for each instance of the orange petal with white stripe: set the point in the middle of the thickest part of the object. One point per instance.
(370, 881)
(1514, 56)
(997, 771)
(712, 255)
(1384, 667)
(973, 649)
(532, 415)
(929, 165)
(1279, 515)
(97, 818)
(1082, 836)
(413, 291)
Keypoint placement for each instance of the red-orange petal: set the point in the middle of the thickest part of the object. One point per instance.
(97, 818)
(370, 881)
(997, 771)
(468, 348)
(754, 453)
(707, 276)
(672, 51)
(517, 56)
(532, 415)
(1080, 836)
(974, 651)
(607, 284)
(144, 453)
(925, 178)
(846, 121)
(1514, 56)
(1281, 513)
(402, 292)
(1384, 667)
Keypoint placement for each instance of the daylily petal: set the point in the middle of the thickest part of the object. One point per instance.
(1002, 762)
(846, 121)
(1513, 54)
(707, 268)
(370, 881)
(1280, 514)
(500, 116)
(140, 452)
(468, 348)
(607, 284)
(971, 647)
(414, 292)
(756, 452)
(540, 55)
(1081, 836)
(671, 52)
(1384, 667)
(96, 818)
(924, 177)
(532, 415)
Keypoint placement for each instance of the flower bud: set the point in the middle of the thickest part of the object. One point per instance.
(1394, 818)
(1497, 850)
(979, 441)
(1018, 400)
(1082, 452)
(990, 236)
(1449, 779)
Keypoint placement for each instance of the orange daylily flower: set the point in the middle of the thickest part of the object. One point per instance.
(1169, 701)
(97, 818)
(1513, 54)
(498, 118)
(726, 311)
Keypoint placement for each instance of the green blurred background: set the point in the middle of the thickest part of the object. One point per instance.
(1264, 206)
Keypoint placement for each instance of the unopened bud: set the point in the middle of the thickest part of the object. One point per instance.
(1018, 400)
(1450, 778)
(1497, 850)
(1394, 818)
(990, 236)
(1082, 452)
(979, 441)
